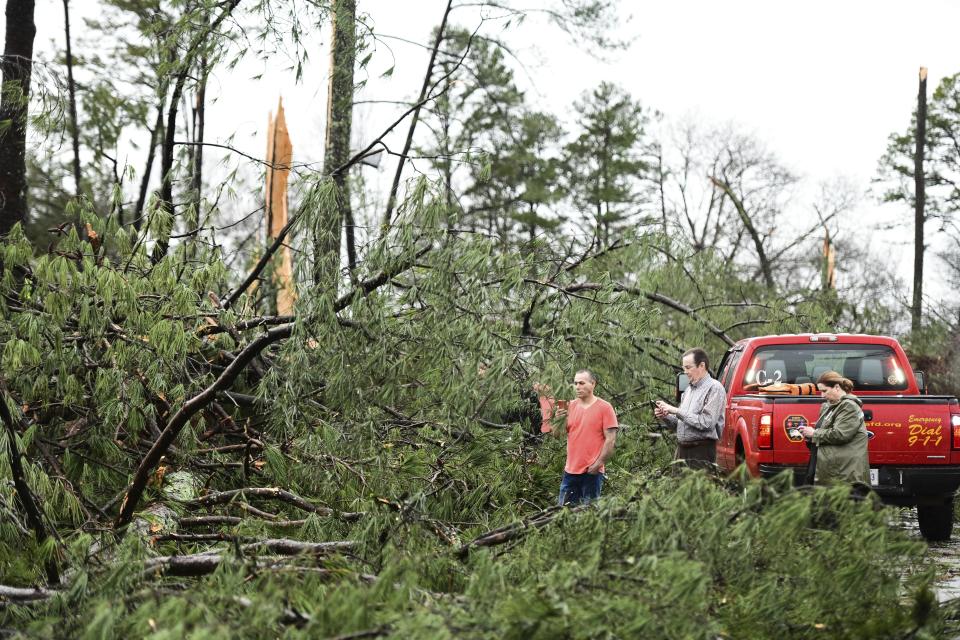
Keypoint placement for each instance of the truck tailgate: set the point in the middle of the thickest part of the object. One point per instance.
(909, 430)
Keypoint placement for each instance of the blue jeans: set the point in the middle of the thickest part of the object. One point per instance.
(579, 487)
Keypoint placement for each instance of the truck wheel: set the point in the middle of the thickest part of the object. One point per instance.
(936, 521)
(741, 456)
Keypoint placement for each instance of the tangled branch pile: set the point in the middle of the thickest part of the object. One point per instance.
(183, 463)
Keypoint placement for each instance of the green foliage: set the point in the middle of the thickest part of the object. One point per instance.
(665, 555)
(397, 401)
(396, 412)
(605, 163)
(941, 168)
(935, 350)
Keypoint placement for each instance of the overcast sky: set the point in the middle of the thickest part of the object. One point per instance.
(822, 83)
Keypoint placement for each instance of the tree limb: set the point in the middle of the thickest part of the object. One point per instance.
(198, 564)
(274, 493)
(34, 517)
(17, 595)
(392, 200)
(653, 296)
(187, 411)
(751, 230)
(195, 404)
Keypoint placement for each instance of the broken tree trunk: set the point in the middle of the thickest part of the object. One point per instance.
(828, 273)
(279, 156)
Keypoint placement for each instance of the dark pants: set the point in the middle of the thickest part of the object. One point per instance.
(579, 487)
(811, 464)
(699, 454)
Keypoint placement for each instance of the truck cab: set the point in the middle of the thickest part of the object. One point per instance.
(914, 446)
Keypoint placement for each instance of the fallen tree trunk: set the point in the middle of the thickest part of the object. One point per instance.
(275, 493)
(18, 595)
(208, 521)
(199, 564)
(515, 530)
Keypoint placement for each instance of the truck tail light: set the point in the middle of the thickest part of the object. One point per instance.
(955, 429)
(765, 432)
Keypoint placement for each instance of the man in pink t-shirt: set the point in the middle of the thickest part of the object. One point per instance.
(591, 438)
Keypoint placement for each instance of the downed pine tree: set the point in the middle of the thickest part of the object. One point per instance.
(179, 458)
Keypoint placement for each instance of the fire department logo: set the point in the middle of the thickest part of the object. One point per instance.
(792, 426)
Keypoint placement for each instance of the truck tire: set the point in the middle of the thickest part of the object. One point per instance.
(936, 521)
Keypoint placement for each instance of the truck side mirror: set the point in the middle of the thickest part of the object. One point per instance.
(682, 383)
(921, 381)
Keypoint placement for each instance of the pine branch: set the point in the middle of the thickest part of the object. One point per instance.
(24, 494)
(229, 375)
(187, 411)
(516, 530)
(653, 296)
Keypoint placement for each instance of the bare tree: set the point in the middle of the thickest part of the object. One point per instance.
(916, 310)
(721, 190)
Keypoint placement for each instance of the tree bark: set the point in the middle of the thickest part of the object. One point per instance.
(16, 67)
(72, 92)
(339, 125)
(199, 122)
(916, 311)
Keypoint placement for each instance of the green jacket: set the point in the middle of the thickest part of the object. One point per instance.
(841, 438)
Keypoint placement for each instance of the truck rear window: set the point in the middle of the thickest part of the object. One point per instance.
(870, 367)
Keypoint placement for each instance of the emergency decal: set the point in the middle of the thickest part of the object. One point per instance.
(792, 426)
(924, 431)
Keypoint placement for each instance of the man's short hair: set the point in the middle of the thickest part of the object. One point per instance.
(593, 376)
(699, 356)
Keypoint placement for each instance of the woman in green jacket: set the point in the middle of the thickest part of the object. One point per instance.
(840, 434)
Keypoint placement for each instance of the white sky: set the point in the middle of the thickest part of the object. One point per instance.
(822, 83)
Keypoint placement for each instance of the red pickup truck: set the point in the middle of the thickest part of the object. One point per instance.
(914, 445)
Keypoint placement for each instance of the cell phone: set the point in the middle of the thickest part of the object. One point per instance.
(653, 403)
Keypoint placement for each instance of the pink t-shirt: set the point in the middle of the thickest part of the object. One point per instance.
(585, 438)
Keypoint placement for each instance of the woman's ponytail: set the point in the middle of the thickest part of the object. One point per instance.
(834, 379)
